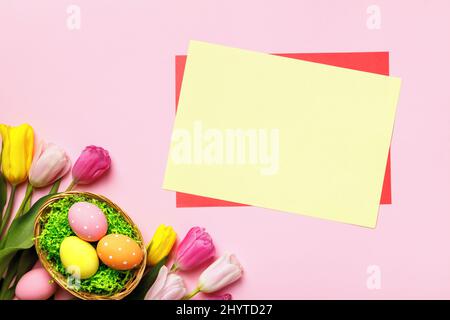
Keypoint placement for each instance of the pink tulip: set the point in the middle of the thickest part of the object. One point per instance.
(196, 248)
(167, 286)
(91, 165)
(220, 274)
(50, 163)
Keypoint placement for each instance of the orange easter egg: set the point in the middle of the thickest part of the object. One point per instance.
(119, 252)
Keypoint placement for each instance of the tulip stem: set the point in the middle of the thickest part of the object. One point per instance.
(55, 187)
(71, 185)
(191, 295)
(27, 196)
(174, 268)
(8, 209)
(28, 204)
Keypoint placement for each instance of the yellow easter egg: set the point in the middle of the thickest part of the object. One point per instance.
(78, 257)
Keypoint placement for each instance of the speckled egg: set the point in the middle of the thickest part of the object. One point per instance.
(87, 221)
(78, 257)
(119, 252)
(36, 284)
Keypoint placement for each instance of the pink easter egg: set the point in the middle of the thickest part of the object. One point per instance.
(62, 294)
(37, 265)
(87, 221)
(35, 285)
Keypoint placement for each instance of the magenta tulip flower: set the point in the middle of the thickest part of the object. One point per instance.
(50, 163)
(196, 248)
(91, 165)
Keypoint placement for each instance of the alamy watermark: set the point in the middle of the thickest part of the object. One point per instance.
(74, 277)
(373, 21)
(373, 281)
(235, 146)
(73, 20)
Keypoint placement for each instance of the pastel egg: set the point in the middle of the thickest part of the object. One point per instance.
(87, 221)
(36, 284)
(78, 257)
(119, 252)
(63, 294)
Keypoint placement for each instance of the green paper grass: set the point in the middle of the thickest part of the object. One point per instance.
(105, 281)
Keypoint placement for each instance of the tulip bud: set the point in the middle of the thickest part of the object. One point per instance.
(49, 164)
(167, 286)
(220, 274)
(17, 152)
(196, 248)
(91, 165)
(161, 244)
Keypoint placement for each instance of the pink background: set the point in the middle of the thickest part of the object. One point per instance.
(112, 84)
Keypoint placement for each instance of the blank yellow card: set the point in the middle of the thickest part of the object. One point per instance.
(280, 133)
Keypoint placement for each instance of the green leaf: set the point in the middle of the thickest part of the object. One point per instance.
(22, 262)
(20, 234)
(3, 194)
(27, 260)
(9, 294)
(9, 277)
(146, 282)
(6, 259)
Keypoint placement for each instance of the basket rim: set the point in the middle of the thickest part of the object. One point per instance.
(59, 278)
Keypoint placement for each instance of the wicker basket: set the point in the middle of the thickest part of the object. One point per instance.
(61, 279)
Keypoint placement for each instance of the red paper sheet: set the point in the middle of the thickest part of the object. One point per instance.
(375, 62)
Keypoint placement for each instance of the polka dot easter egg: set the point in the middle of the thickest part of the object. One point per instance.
(119, 252)
(87, 221)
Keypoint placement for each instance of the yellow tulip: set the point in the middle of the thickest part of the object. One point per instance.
(161, 244)
(17, 152)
